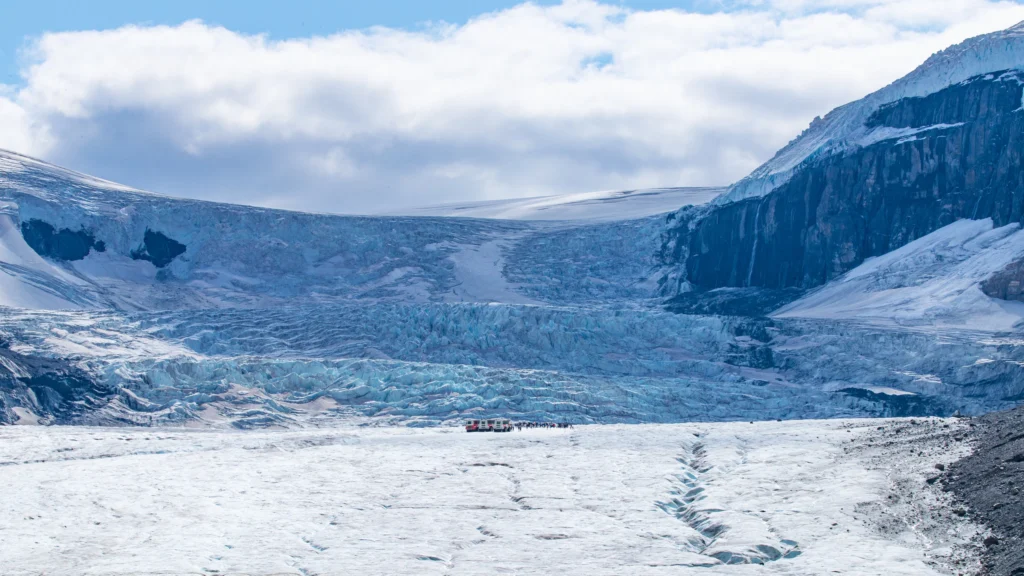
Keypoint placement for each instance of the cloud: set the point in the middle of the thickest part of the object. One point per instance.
(17, 130)
(526, 101)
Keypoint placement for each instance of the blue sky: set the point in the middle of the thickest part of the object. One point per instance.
(258, 103)
(293, 19)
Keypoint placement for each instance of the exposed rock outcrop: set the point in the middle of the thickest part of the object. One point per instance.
(1008, 284)
(924, 162)
(158, 248)
(989, 484)
(64, 244)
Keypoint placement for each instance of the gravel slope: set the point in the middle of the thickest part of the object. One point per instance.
(989, 483)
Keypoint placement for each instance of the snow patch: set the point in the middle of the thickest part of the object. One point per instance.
(479, 274)
(932, 281)
(588, 207)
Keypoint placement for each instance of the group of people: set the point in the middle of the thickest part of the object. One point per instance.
(521, 425)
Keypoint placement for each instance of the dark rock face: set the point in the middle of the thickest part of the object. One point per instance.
(896, 406)
(158, 249)
(841, 209)
(990, 483)
(51, 388)
(1007, 284)
(732, 301)
(63, 244)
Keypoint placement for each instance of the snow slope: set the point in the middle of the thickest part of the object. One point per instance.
(932, 281)
(779, 498)
(240, 256)
(29, 281)
(589, 206)
(844, 127)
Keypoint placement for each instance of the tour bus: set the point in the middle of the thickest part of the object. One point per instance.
(492, 425)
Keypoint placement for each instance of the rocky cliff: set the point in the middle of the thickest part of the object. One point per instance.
(921, 163)
(1007, 284)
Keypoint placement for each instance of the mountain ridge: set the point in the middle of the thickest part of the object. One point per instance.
(837, 130)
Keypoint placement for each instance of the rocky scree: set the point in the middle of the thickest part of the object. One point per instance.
(989, 483)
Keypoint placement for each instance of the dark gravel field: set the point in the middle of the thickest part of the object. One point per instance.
(989, 482)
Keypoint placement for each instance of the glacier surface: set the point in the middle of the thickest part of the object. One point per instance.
(763, 498)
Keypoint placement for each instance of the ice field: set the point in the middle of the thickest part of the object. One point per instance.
(809, 497)
(274, 318)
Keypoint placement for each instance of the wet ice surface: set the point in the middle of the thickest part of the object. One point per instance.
(804, 497)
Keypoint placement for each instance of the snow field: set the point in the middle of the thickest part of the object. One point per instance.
(803, 497)
(605, 206)
(932, 281)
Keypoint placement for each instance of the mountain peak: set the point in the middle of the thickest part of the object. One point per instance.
(842, 127)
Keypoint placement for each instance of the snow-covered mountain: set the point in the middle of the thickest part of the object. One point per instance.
(847, 127)
(878, 274)
(589, 206)
(940, 145)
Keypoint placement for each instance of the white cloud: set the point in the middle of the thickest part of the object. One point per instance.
(525, 101)
(17, 131)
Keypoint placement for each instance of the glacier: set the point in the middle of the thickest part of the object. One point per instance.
(239, 256)
(649, 499)
(430, 364)
(781, 383)
(123, 307)
(273, 318)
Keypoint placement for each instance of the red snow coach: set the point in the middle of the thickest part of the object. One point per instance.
(493, 425)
